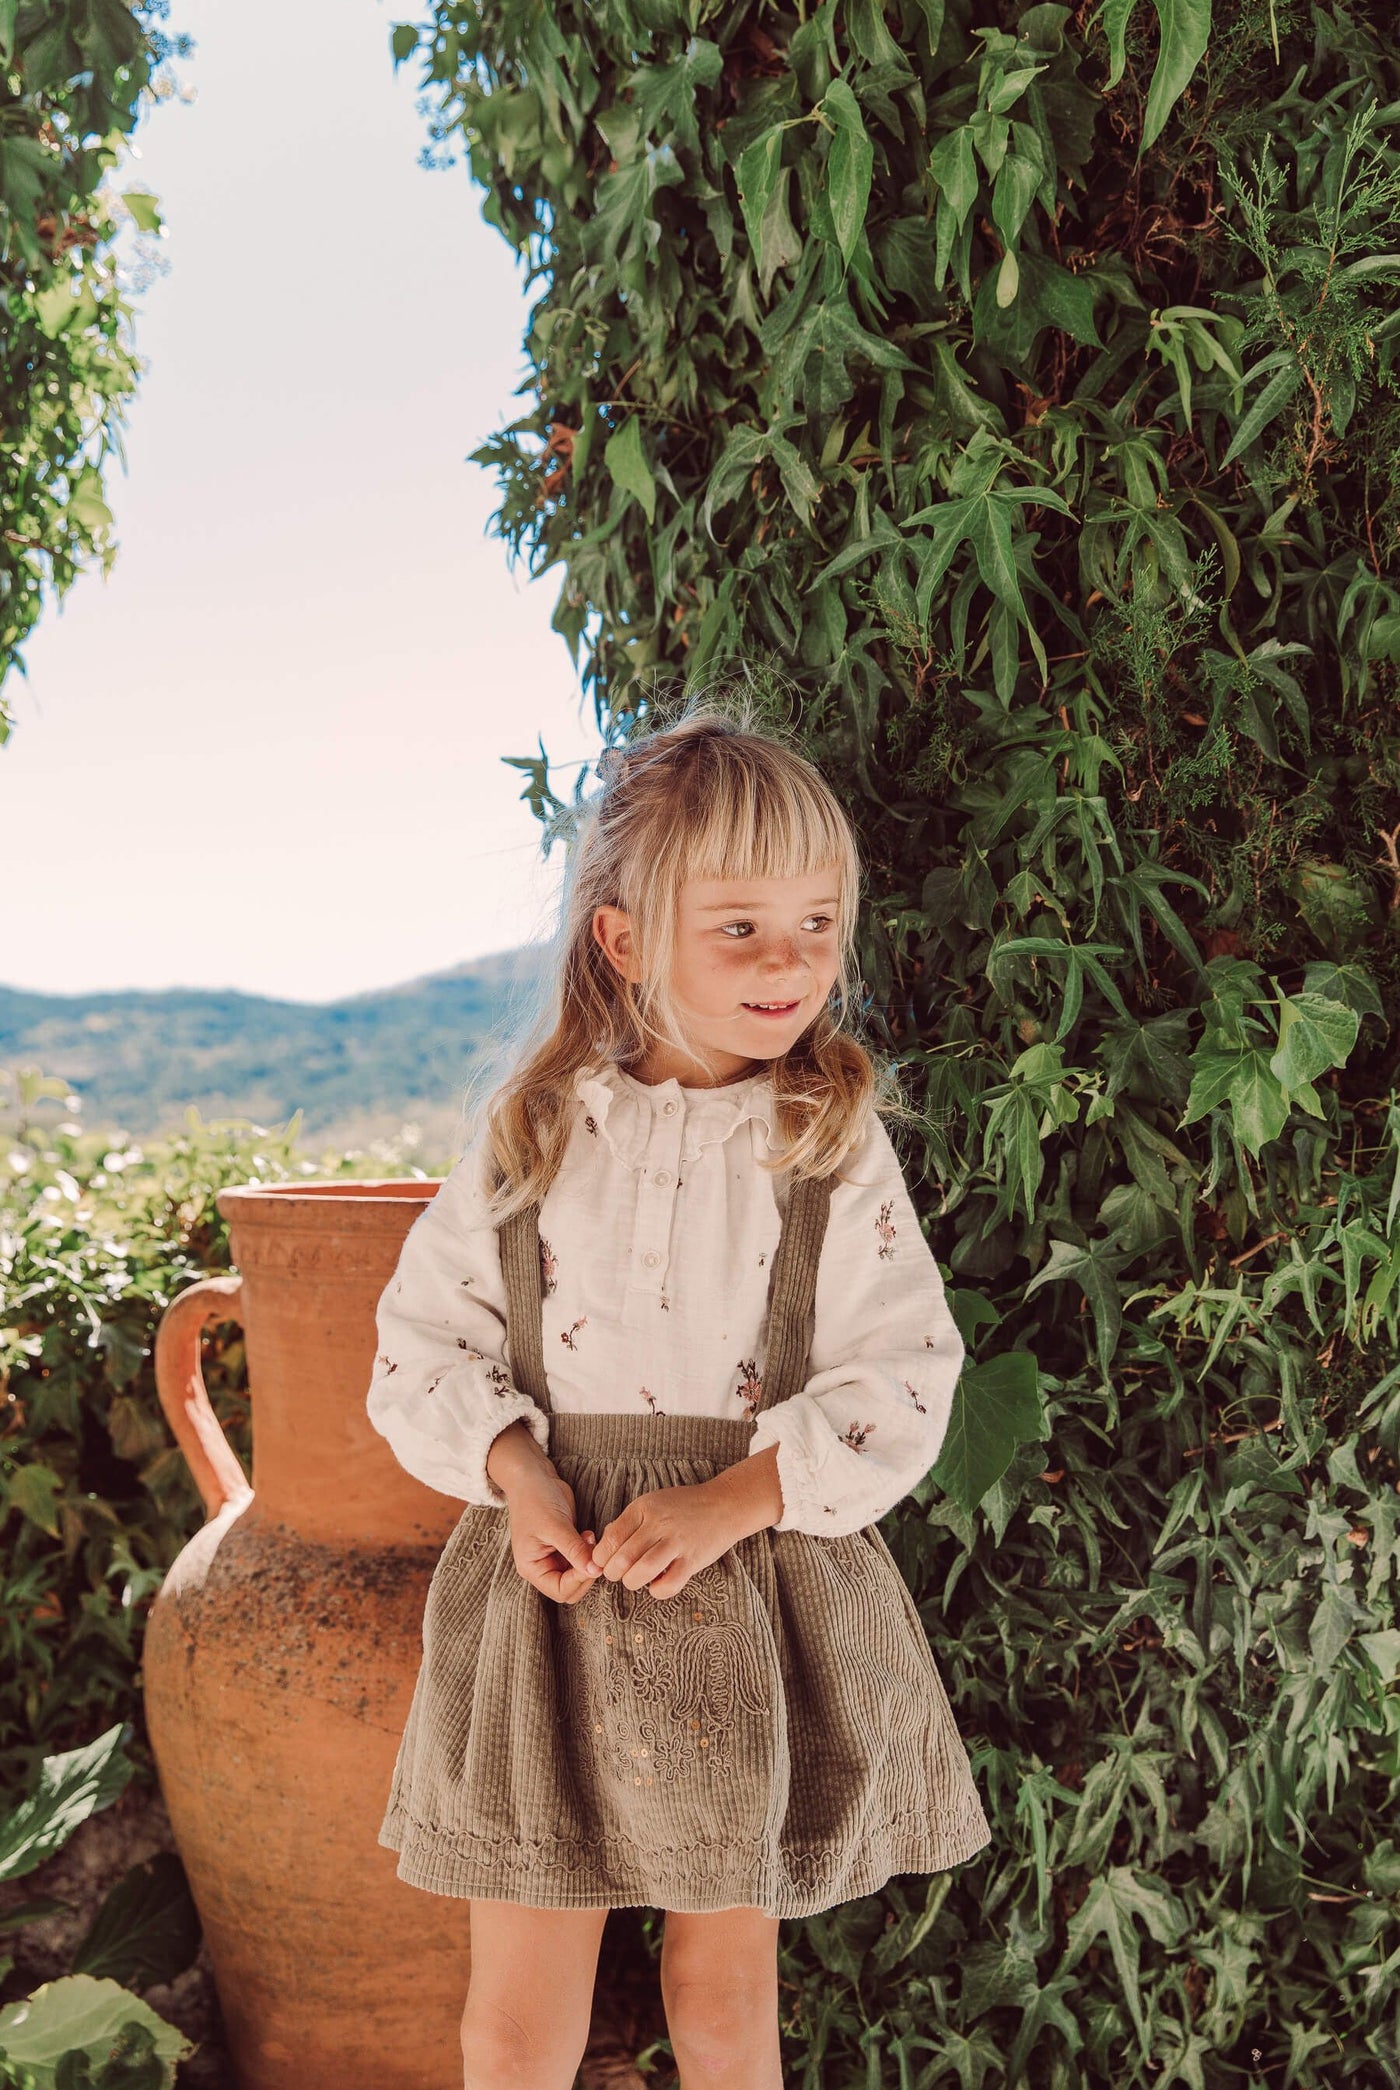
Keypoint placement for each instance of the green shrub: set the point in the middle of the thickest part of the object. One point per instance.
(74, 76)
(1019, 391)
(95, 1241)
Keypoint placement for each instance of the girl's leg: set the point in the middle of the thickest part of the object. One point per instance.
(529, 2000)
(719, 1983)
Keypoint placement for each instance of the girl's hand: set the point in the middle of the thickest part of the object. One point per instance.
(548, 1551)
(669, 1534)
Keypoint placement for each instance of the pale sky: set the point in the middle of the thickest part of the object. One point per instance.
(265, 753)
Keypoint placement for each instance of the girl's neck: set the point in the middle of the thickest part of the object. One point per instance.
(653, 1072)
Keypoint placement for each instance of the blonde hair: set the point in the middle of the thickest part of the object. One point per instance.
(707, 796)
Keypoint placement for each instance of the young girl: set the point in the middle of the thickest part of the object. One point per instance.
(671, 1331)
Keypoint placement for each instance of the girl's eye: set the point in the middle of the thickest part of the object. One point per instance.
(824, 919)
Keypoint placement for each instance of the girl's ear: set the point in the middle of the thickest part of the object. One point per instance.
(612, 927)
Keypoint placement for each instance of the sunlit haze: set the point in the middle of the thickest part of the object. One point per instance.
(266, 752)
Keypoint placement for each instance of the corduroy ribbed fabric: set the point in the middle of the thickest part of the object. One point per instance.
(777, 1736)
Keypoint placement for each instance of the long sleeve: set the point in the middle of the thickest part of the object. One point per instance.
(441, 1390)
(885, 1359)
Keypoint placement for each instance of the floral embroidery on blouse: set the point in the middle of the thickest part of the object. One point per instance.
(750, 1386)
(866, 1336)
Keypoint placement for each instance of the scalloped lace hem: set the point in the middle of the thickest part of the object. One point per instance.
(556, 1872)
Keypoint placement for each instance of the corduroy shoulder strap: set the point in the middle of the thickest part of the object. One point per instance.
(792, 1284)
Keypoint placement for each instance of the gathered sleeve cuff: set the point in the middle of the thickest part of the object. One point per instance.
(441, 1390)
(885, 1359)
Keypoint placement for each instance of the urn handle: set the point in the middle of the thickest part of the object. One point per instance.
(212, 1460)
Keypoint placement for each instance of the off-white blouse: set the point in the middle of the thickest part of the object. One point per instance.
(657, 1235)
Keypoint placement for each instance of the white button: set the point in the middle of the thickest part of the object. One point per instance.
(668, 1110)
(661, 1175)
(651, 1259)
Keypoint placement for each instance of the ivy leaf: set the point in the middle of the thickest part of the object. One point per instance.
(849, 165)
(25, 172)
(1116, 1900)
(757, 172)
(1095, 1271)
(1184, 32)
(144, 209)
(1240, 1075)
(666, 97)
(1351, 985)
(1047, 296)
(626, 462)
(997, 1406)
(34, 1490)
(954, 171)
(1013, 194)
(833, 338)
(983, 521)
(800, 483)
(1313, 1035)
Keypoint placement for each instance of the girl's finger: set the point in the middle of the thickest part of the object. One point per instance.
(576, 1549)
(653, 1561)
(624, 1524)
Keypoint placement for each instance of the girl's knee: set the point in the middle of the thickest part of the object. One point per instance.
(715, 2019)
(501, 2052)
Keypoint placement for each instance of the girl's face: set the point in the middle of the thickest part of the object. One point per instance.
(739, 943)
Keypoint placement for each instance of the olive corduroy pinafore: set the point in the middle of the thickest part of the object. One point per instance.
(776, 1736)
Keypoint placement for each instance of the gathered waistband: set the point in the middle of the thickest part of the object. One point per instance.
(722, 1438)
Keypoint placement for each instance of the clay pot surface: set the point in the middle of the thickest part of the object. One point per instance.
(281, 1655)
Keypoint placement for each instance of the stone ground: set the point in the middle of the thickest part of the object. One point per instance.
(627, 2020)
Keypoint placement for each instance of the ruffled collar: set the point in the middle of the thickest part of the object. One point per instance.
(624, 1109)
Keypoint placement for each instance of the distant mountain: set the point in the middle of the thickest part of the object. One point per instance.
(138, 1059)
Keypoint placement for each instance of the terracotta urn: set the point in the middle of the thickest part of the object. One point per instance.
(281, 1654)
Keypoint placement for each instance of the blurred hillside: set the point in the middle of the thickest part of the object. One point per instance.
(360, 1070)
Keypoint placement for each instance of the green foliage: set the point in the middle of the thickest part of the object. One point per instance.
(1020, 387)
(95, 1497)
(74, 75)
(81, 2033)
(86, 2031)
(96, 1502)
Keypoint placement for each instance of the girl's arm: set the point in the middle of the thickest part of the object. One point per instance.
(441, 1389)
(884, 1360)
